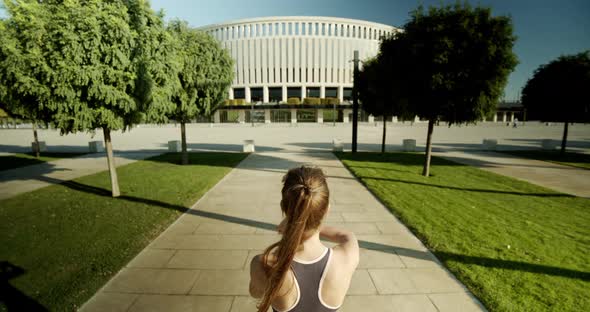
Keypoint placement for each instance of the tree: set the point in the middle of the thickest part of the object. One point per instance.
(21, 86)
(205, 76)
(102, 64)
(459, 59)
(558, 91)
(380, 83)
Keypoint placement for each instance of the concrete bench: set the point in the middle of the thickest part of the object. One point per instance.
(490, 144)
(174, 146)
(337, 145)
(409, 145)
(42, 146)
(548, 144)
(95, 147)
(249, 146)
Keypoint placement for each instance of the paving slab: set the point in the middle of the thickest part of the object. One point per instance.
(201, 262)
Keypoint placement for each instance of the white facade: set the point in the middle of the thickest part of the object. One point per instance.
(278, 57)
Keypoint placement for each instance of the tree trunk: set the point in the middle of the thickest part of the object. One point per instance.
(37, 148)
(183, 139)
(426, 171)
(384, 132)
(564, 139)
(111, 162)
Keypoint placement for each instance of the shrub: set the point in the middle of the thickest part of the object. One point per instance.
(311, 101)
(330, 101)
(293, 100)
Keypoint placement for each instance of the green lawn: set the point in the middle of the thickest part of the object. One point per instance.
(21, 159)
(70, 239)
(517, 246)
(569, 158)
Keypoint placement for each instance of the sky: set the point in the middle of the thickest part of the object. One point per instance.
(545, 29)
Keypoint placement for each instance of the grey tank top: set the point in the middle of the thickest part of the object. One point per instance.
(308, 276)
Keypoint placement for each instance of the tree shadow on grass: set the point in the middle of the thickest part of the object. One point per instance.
(424, 255)
(11, 298)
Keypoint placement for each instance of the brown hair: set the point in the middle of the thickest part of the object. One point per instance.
(304, 204)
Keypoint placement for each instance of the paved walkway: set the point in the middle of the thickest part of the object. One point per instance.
(565, 179)
(29, 178)
(201, 262)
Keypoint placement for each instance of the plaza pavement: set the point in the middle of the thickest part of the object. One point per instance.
(201, 262)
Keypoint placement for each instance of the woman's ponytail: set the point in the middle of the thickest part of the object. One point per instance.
(292, 237)
(304, 203)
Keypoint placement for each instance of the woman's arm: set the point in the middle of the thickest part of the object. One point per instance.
(257, 277)
(346, 241)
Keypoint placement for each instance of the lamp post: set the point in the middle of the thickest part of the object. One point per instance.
(355, 103)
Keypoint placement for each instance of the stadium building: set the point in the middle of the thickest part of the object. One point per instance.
(296, 59)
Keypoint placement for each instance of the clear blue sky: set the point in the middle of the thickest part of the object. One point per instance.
(545, 29)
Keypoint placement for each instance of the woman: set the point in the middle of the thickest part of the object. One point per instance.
(299, 273)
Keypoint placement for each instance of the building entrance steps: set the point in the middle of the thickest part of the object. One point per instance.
(201, 262)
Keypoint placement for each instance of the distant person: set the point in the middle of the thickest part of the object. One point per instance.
(299, 273)
(515, 123)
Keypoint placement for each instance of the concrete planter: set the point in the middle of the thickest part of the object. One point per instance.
(548, 144)
(42, 146)
(490, 144)
(95, 147)
(337, 145)
(174, 146)
(248, 146)
(409, 145)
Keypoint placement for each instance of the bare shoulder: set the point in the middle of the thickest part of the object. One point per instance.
(346, 254)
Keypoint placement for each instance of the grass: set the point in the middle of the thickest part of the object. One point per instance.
(569, 158)
(70, 239)
(515, 245)
(27, 159)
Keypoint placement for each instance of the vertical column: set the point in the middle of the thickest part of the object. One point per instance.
(293, 115)
(322, 92)
(303, 93)
(341, 94)
(216, 118)
(267, 116)
(284, 93)
(248, 97)
(495, 117)
(242, 116)
(394, 119)
(320, 115)
(511, 116)
(230, 93)
(345, 114)
(503, 116)
(265, 94)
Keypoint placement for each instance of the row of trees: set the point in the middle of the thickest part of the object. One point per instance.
(449, 63)
(83, 65)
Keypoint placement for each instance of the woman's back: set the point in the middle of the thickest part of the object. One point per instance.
(319, 277)
(300, 258)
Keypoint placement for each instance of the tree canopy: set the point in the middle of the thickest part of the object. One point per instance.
(206, 72)
(559, 91)
(460, 61)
